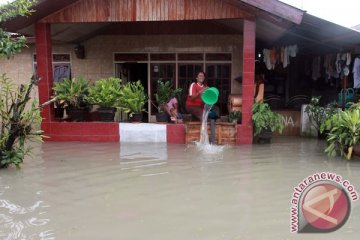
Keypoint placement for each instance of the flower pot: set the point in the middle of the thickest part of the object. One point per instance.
(76, 114)
(136, 117)
(59, 112)
(106, 114)
(162, 117)
(264, 136)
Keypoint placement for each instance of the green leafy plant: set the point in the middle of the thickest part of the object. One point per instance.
(72, 92)
(318, 114)
(163, 93)
(132, 98)
(19, 122)
(235, 116)
(11, 44)
(263, 119)
(105, 92)
(181, 95)
(343, 132)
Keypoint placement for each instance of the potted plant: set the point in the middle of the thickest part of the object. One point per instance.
(265, 122)
(163, 93)
(105, 93)
(73, 92)
(318, 114)
(343, 132)
(131, 100)
(59, 108)
(235, 117)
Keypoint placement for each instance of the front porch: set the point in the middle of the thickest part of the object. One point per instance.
(166, 40)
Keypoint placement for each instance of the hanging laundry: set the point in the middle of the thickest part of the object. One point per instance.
(289, 51)
(275, 56)
(286, 57)
(316, 71)
(292, 50)
(267, 58)
(329, 66)
(356, 72)
(343, 64)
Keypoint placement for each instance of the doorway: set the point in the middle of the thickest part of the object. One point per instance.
(132, 72)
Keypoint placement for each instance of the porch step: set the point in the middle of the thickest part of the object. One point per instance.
(225, 132)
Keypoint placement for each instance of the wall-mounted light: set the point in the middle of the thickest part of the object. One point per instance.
(80, 51)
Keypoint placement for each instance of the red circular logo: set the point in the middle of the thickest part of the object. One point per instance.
(326, 207)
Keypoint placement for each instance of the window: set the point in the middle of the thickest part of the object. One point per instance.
(61, 66)
(219, 75)
(187, 74)
(160, 71)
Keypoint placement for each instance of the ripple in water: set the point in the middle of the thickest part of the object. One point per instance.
(204, 146)
(16, 221)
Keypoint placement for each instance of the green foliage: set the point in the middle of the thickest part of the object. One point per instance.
(318, 114)
(343, 132)
(14, 156)
(10, 45)
(164, 91)
(105, 92)
(235, 116)
(264, 118)
(181, 97)
(72, 92)
(132, 98)
(16, 8)
(18, 121)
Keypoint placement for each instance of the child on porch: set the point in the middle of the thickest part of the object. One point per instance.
(172, 108)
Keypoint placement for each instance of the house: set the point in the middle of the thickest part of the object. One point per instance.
(152, 39)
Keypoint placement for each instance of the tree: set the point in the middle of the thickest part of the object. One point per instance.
(11, 44)
(18, 115)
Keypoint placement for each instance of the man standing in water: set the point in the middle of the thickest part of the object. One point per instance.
(194, 103)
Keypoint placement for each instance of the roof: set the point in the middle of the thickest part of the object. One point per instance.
(42, 9)
(315, 35)
(277, 24)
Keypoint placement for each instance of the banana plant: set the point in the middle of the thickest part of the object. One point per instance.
(132, 98)
(105, 92)
(72, 91)
(344, 132)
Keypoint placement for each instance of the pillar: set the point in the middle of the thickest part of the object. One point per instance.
(245, 130)
(44, 69)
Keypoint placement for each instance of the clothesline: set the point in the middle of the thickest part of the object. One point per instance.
(281, 55)
(336, 66)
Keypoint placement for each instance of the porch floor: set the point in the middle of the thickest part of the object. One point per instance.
(77, 190)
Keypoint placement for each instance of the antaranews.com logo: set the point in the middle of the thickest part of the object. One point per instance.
(321, 203)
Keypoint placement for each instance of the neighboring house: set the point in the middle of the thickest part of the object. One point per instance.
(357, 27)
(152, 39)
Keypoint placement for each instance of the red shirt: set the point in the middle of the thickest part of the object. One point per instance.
(195, 88)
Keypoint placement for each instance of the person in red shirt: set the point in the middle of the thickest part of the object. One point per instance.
(194, 103)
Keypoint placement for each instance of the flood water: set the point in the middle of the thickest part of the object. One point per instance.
(156, 191)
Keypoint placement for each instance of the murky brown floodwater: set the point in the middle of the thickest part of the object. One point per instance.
(155, 191)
